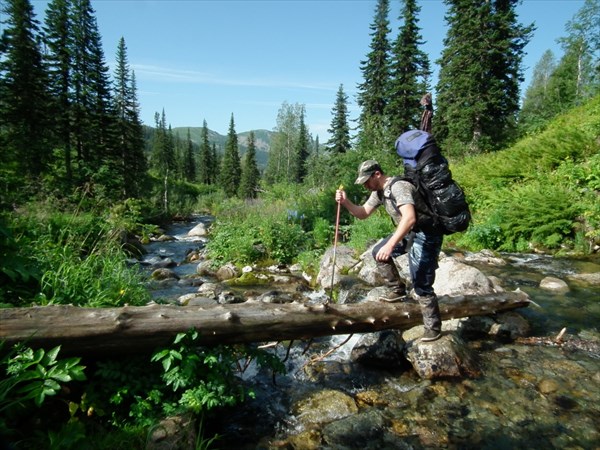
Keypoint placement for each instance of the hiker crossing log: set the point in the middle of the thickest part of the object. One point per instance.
(131, 329)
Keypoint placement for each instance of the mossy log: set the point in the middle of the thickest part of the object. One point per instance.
(135, 329)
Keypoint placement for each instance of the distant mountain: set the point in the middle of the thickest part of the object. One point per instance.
(262, 139)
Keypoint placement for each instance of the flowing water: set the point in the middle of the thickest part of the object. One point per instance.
(527, 397)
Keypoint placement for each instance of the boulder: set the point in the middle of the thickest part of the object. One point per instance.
(446, 357)
(554, 284)
(344, 261)
(380, 349)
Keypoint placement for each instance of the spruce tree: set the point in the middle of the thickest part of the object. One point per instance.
(58, 40)
(230, 166)
(373, 91)
(302, 151)
(215, 164)
(205, 168)
(93, 118)
(478, 87)
(25, 104)
(131, 165)
(250, 174)
(410, 74)
(189, 160)
(339, 130)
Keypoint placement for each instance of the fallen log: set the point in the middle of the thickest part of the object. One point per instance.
(131, 329)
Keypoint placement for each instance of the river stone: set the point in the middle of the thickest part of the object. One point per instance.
(198, 231)
(554, 284)
(547, 386)
(205, 268)
(504, 326)
(176, 432)
(227, 272)
(164, 274)
(364, 430)
(446, 357)
(209, 289)
(344, 260)
(485, 257)
(589, 278)
(454, 278)
(307, 440)
(323, 407)
(379, 349)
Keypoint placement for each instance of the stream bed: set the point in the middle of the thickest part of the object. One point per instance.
(527, 397)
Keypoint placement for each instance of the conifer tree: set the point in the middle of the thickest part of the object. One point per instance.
(478, 87)
(58, 40)
(410, 74)
(339, 130)
(189, 161)
(93, 118)
(215, 164)
(302, 151)
(205, 168)
(24, 108)
(250, 174)
(373, 91)
(230, 166)
(131, 165)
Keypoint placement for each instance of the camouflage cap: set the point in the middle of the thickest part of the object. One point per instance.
(366, 169)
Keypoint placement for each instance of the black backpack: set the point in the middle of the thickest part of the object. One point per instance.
(427, 169)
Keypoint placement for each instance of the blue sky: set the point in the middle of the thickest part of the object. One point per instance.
(207, 59)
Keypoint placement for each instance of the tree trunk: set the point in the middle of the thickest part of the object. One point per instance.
(143, 328)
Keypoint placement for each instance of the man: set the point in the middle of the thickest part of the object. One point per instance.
(399, 198)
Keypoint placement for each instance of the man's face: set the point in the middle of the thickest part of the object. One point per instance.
(371, 183)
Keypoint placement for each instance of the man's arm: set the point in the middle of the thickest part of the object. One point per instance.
(358, 211)
(407, 221)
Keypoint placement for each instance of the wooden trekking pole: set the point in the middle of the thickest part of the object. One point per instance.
(335, 239)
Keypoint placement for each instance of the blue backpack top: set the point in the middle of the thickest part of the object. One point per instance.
(427, 169)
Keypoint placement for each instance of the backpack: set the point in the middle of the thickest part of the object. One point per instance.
(427, 169)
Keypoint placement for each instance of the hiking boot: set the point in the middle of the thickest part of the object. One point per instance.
(398, 295)
(430, 335)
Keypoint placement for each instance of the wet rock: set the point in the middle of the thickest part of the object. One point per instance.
(506, 326)
(363, 430)
(380, 349)
(554, 284)
(173, 433)
(589, 278)
(447, 357)
(370, 398)
(307, 440)
(195, 300)
(165, 238)
(164, 274)
(485, 257)
(323, 407)
(547, 386)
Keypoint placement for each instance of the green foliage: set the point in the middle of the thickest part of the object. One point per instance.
(19, 276)
(187, 378)
(365, 232)
(543, 191)
(30, 376)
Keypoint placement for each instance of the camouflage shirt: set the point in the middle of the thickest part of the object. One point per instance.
(402, 191)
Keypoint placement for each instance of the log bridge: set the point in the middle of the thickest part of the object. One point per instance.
(128, 329)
